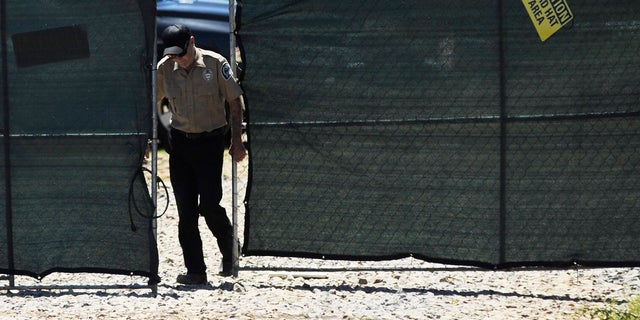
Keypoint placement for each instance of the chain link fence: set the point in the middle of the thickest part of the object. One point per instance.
(76, 98)
(443, 130)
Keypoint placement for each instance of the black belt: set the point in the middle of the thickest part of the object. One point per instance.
(214, 133)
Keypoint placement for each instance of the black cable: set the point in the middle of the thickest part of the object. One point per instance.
(132, 198)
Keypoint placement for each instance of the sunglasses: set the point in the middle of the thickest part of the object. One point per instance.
(184, 51)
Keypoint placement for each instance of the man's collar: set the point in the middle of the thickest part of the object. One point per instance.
(199, 58)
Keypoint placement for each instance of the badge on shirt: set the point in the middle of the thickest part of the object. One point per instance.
(227, 73)
(207, 75)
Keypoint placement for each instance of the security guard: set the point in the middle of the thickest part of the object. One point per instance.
(197, 83)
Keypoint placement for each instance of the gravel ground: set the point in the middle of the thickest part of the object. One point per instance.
(281, 288)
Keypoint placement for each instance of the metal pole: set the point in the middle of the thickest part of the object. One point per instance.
(6, 139)
(154, 143)
(154, 133)
(234, 165)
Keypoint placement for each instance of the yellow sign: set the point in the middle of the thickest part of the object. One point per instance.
(548, 16)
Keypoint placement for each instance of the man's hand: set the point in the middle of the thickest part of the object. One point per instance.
(237, 151)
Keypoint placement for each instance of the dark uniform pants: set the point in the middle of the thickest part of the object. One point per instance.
(195, 165)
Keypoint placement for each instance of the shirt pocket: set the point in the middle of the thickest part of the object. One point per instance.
(173, 92)
(204, 89)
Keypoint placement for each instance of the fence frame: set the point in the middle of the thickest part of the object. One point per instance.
(151, 285)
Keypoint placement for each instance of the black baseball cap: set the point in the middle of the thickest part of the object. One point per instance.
(176, 39)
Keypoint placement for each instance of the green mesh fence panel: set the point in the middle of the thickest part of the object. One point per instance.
(445, 130)
(76, 88)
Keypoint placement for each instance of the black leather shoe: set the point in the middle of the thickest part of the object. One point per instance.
(192, 279)
(226, 268)
(225, 273)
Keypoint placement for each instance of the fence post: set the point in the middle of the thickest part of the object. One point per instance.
(234, 165)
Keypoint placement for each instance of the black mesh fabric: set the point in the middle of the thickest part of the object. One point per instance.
(445, 130)
(76, 87)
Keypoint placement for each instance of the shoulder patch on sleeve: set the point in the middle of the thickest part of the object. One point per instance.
(227, 73)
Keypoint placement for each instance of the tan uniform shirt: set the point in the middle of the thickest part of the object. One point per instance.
(197, 96)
